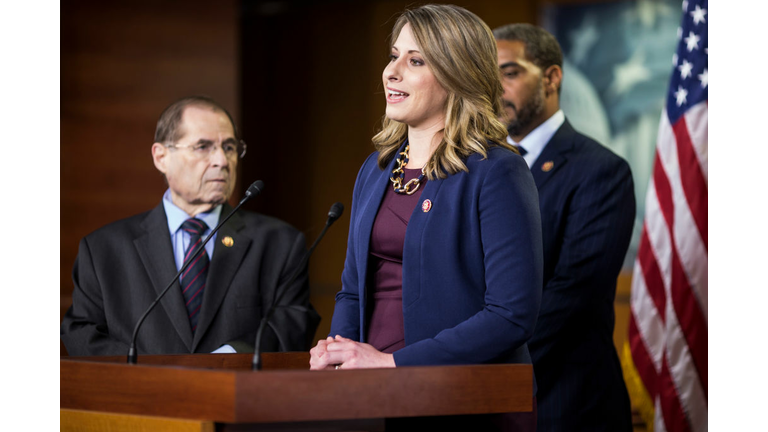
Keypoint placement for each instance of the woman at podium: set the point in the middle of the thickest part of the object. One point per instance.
(444, 255)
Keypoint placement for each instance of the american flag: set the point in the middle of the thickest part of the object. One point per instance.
(665, 359)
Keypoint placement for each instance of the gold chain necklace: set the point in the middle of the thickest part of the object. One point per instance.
(398, 175)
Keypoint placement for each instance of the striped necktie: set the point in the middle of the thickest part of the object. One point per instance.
(193, 279)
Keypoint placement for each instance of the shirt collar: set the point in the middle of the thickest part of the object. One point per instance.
(535, 141)
(177, 216)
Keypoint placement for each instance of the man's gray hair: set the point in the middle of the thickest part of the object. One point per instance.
(169, 125)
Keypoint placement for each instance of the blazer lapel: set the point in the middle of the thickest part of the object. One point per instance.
(413, 233)
(224, 265)
(554, 155)
(156, 252)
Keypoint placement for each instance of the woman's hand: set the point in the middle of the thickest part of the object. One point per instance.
(348, 354)
(319, 355)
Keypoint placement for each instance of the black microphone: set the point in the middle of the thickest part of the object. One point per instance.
(252, 191)
(337, 209)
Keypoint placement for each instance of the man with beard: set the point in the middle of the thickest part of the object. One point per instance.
(219, 300)
(587, 208)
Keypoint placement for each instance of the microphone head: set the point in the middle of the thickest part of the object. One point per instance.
(337, 209)
(255, 188)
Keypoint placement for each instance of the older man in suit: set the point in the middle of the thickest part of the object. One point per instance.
(587, 208)
(220, 299)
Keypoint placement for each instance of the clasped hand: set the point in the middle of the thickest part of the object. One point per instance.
(343, 353)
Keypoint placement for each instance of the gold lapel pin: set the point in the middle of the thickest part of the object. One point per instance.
(227, 241)
(547, 166)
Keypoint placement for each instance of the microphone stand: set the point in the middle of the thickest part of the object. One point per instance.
(252, 191)
(336, 210)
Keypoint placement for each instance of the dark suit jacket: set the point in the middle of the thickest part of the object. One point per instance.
(471, 264)
(587, 211)
(122, 267)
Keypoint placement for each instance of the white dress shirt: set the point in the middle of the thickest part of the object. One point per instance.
(535, 141)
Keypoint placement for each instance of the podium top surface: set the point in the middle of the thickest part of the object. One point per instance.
(222, 388)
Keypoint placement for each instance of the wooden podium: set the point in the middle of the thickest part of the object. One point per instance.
(219, 392)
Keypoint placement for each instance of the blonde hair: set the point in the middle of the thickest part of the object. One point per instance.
(460, 50)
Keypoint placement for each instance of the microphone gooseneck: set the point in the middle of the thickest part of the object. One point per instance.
(252, 191)
(337, 209)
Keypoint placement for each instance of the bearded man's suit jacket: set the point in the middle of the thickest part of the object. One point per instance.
(122, 267)
(586, 196)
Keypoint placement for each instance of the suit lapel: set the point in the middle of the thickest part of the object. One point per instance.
(156, 252)
(224, 265)
(554, 156)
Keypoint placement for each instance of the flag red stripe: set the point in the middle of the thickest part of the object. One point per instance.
(686, 307)
(691, 320)
(641, 359)
(692, 177)
(664, 194)
(674, 416)
(654, 283)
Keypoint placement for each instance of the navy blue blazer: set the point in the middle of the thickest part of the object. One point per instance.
(587, 204)
(472, 264)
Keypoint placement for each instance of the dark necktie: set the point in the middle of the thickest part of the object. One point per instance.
(193, 279)
(522, 151)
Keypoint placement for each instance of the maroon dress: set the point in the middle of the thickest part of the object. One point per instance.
(385, 267)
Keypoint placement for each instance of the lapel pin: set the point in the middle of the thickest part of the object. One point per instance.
(547, 166)
(227, 241)
(426, 205)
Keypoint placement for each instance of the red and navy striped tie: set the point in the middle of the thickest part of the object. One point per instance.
(193, 279)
